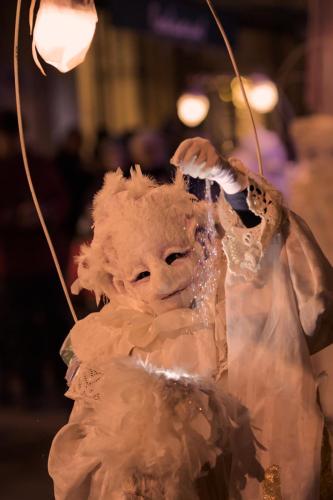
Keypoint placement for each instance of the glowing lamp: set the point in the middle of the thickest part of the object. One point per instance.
(63, 32)
(192, 109)
(263, 96)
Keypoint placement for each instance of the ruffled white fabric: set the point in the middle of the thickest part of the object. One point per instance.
(179, 339)
(138, 431)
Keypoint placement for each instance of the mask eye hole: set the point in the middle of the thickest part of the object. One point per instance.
(174, 256)
(141, 276)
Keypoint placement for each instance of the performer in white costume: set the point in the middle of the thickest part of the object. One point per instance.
(188, 318)
(311, 190)
(311, 196)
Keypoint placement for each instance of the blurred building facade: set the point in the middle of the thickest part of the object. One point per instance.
(142, 59)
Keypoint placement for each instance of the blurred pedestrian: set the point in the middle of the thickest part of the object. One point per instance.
(33, 314)
(74, 173)
(148, 148)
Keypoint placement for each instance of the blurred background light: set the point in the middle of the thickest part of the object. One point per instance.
(192, 109)
(236, 91)
(63, 32)
(224, 90)
(263, 96)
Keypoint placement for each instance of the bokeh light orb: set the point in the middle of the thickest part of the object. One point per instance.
(236, 91)
(192, 109)
(263, 96)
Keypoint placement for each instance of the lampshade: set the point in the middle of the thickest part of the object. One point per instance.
(63, 32)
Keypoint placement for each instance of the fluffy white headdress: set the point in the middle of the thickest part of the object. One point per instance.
(132, 199)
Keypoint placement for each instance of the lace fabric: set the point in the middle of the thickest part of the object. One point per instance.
(85, 384)
(244, 247)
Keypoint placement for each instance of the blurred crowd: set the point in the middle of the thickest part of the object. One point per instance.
(34, 314)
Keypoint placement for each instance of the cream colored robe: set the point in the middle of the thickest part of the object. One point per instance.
(278, 312)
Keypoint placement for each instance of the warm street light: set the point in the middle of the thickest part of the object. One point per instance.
(263, 96)
(192, 109)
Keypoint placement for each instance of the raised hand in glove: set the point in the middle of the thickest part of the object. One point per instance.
(198, 158)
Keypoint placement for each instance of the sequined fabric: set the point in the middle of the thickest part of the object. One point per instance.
(272, 483)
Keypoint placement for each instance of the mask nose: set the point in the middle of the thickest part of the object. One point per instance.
(163, 279)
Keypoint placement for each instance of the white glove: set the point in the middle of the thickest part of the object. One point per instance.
(198, 158)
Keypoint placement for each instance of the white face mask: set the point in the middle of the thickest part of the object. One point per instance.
(156, 264)
(165, 286)
(145, 249)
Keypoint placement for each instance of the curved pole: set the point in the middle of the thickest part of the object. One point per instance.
(26, 164)
(236, 70)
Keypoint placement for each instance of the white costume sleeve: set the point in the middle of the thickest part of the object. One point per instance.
(310, 272)
(312, 279)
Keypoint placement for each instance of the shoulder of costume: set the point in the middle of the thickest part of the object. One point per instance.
(245, 247)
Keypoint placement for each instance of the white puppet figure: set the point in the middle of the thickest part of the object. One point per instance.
(240, 309)
(148, 417)
(311, 193)
(311, 196)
